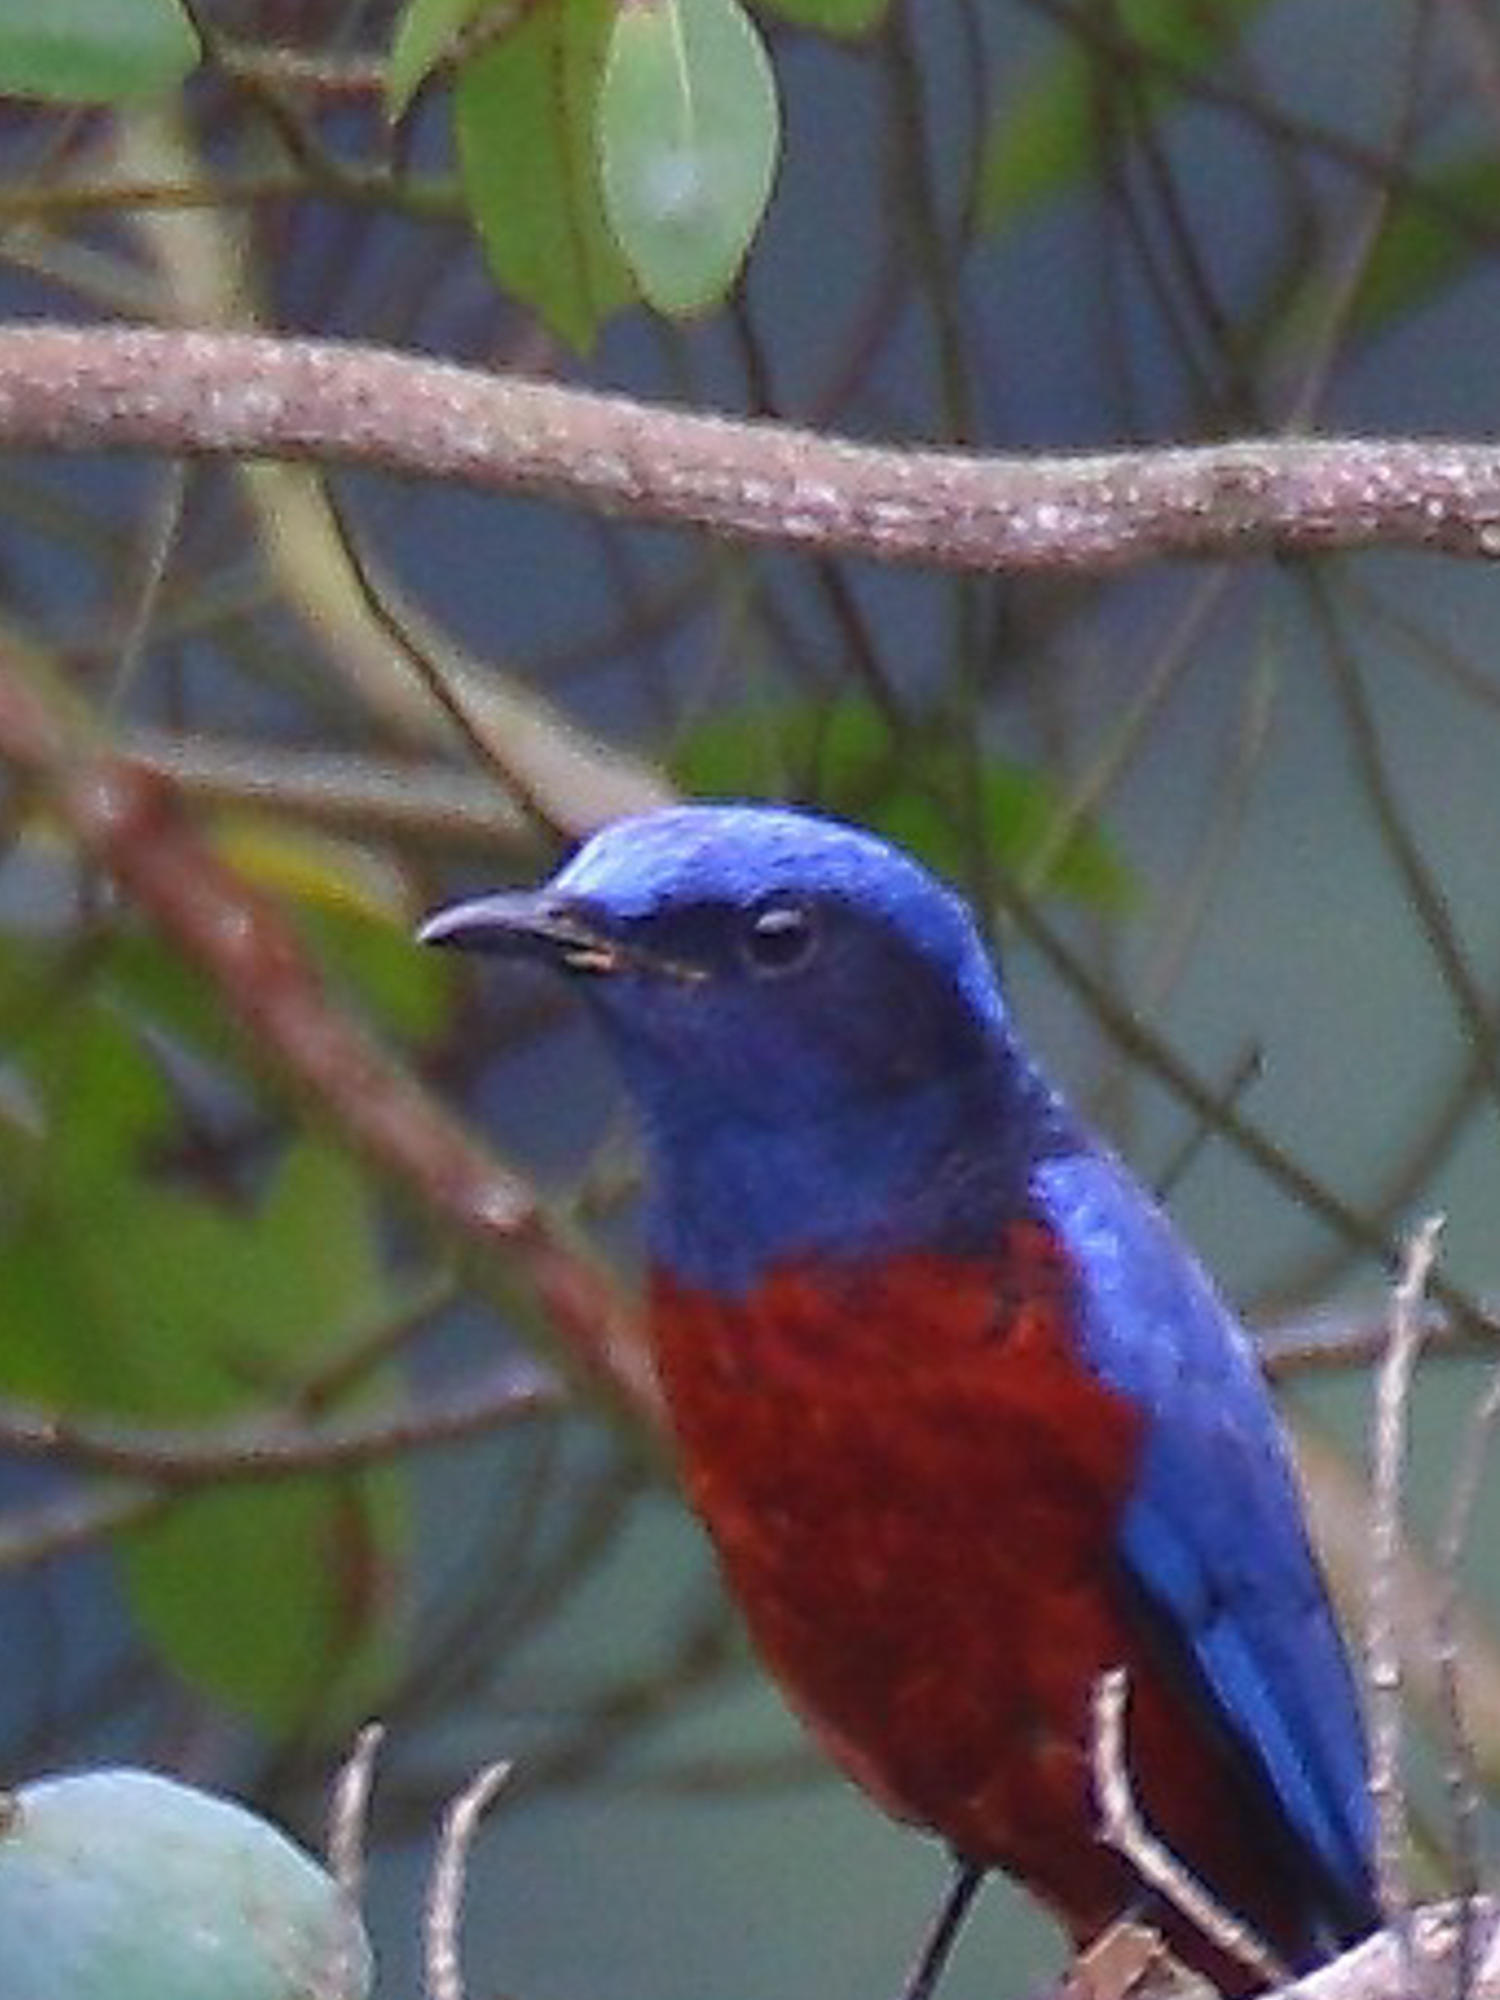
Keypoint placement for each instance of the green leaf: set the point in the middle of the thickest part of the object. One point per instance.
(424, 32)
(100, 1105)
(844, 755)
(150, 981)
(94, 51)
(524, 116)
(256, 1297)
(1046, 140)
(351, 908)
(1021, 809)
(1421, 250)
(277, 1599)
(689, 130)
(833, 17)
(373, 960)
(127, 1289)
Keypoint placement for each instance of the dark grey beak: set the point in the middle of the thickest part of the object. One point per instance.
(522, 924)
(537, 925)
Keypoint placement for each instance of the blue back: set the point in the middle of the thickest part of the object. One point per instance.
(1213, 1537)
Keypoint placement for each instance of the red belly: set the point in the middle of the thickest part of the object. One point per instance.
(913, 1486)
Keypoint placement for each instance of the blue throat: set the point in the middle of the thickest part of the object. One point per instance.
(938, 1166)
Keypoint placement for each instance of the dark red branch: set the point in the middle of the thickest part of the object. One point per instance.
(129, 824)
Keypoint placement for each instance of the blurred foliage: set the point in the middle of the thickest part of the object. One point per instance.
(149, 1270)
(1050, 138)
(1425, 249)
(1231, 824)
(95, 51)
(846, 756)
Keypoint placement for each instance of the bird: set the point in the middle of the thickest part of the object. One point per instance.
(971, 1429)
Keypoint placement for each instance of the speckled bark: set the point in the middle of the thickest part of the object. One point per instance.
(143, 389)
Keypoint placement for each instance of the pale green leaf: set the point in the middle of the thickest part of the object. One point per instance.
(425, 30)
(689, 129)
(525, 110)
(94, 51)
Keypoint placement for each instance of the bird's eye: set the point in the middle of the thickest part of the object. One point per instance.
(779, 937)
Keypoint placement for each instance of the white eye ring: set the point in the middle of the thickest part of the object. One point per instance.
(779, 937)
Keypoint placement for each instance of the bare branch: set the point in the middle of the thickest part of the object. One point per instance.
(1389, 1966)
(1342, 1338)
(1338, 1505)
(111, 388)
(443, 1913)
(340, 789)
(1124, 1829)
(56, 1528)
(1451, 1666)
(348, 1829)
(1383, 1650)
(349, 1813)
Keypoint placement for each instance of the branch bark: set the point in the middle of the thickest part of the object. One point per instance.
(1390, 1966)
(203, 393)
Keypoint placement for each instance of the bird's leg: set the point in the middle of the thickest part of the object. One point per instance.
(937, 1946)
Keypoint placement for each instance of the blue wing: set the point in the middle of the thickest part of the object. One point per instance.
(1214, 1538)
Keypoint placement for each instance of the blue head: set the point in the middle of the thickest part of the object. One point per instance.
(808, 1022)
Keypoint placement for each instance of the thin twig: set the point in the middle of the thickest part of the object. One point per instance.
(445, 687)
(277, 1448)
(1138, 1039)
(349, 1813)
(1461, 1770)
(347, 1974)
(443, 1911)
(30, 1535)
(1124, 1829)
(435, 197)
(1337, 1339)
(1383, 1651)
(1434, 920)
(1338, 1503)
(163, 529)
(345, 790)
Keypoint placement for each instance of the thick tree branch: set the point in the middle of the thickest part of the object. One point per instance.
(129, 388)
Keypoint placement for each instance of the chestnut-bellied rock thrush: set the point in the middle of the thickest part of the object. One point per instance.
(967, 1422)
